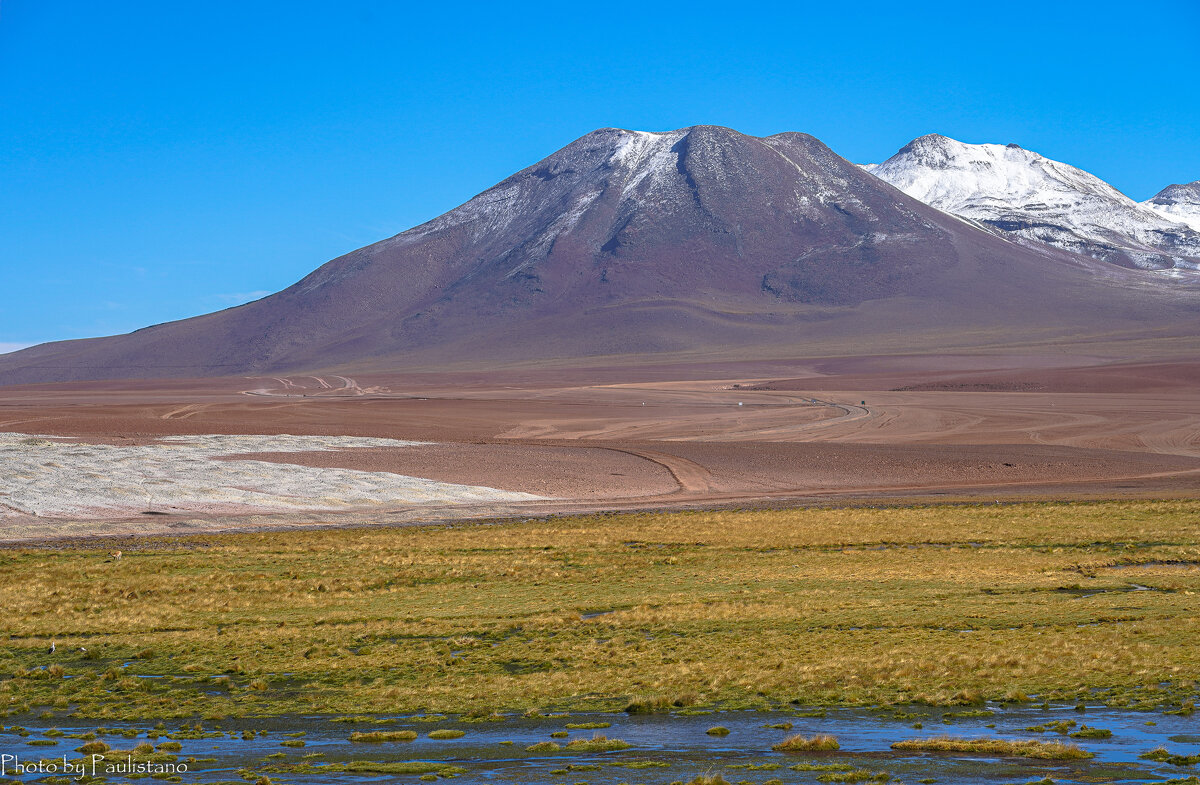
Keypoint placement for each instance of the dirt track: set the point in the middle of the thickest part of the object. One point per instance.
(853, 430)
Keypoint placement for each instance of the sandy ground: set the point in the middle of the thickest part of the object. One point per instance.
(831, 430)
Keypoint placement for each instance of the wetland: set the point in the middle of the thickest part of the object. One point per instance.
(534, 650)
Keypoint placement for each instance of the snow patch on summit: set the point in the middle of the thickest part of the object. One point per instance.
(647, 157)
(1031, 198)
(1178, 203)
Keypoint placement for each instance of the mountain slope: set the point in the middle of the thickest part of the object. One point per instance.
(1033, 198)
(1178, 203)
(624, 246)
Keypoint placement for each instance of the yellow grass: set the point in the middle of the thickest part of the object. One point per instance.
(375, 737)
(947, 605)
(801, 743)
(1043, 750)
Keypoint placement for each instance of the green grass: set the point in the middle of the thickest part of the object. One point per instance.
(93, 748)
(801, 743)
(1040, 750)
(856, 775)
(1062, 727)
(376, 737)
(943, 605)
(1163, 755)
(1086, 732)
(396, 767)
(598, 743)
(544, 746)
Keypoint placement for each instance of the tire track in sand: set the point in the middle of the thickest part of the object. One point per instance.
(690, 476)
(184, 412)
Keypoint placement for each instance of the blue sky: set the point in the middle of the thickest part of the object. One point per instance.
(161, 160)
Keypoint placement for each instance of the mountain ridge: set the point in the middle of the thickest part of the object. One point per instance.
(1031, 198)
(692, 242)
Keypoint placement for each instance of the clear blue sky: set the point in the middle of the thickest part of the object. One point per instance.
(164, 159)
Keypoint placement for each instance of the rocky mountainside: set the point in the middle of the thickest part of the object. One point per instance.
(1034, 199)
(629, 247)
(1178, 203)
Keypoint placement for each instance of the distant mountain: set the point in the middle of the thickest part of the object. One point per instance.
(1032, 198)
(1178, 203)
(627, 247)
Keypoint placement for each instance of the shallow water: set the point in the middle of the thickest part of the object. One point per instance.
(678, 740)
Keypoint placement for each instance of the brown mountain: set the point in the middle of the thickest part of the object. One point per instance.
(639, 247)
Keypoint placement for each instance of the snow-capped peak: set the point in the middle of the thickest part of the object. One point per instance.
(1178, 203)
(1033, 198)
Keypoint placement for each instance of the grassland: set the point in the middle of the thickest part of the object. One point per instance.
(946, 605)
(1025, 748)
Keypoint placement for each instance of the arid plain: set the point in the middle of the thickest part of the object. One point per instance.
(827, 431)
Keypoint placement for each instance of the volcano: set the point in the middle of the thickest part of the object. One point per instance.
(1036, 200)
(633, 247)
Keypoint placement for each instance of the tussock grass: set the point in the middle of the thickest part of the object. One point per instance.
(1163, 755)
(376, 737)
(93, 748)
(660, 703)
(856, 775)
(598, 743)
(544, 746)
(801, 743)
(142, 753)
(446, 733)
(708, 779)
(1025, 748)
(742, 609)
(396, 767)
(1086, 732)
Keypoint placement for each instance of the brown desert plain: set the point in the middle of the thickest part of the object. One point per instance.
(820, 432)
